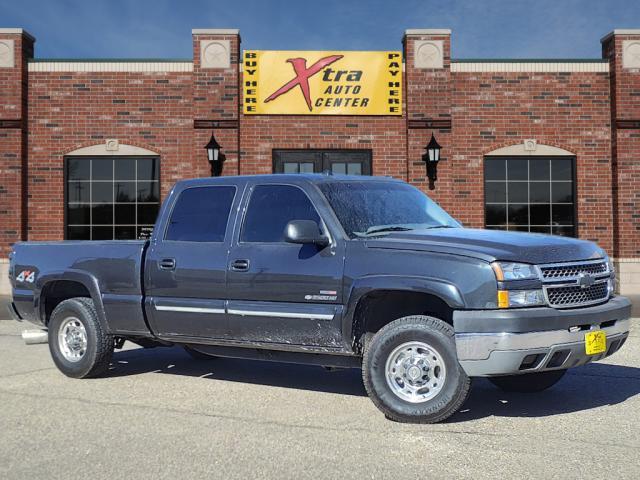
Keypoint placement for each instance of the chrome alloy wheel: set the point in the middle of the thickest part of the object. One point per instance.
(415, 372)
(72, 339)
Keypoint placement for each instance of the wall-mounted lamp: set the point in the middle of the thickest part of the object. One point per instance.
(431, 157)
(215, 156)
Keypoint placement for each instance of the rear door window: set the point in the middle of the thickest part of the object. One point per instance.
(201, 214)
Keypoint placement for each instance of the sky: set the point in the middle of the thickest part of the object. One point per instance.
(162, 28)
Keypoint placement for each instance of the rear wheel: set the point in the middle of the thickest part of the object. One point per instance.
(411, 371)
(528, 382)
(79, 346)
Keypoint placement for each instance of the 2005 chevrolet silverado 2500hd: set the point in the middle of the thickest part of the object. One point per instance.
(335, 271)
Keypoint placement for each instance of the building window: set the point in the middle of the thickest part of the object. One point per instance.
(111, 198)
(530, 194)
(339, 162)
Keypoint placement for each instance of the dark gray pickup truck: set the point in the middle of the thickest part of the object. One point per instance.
(334, 271)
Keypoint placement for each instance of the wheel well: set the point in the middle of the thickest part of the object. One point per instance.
(56, 292)
(377, 309)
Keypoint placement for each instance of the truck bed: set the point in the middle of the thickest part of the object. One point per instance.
(110, 271)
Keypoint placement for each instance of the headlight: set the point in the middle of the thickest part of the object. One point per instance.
(520, 298)
(514, 271)
(612, 268)
(612, 273)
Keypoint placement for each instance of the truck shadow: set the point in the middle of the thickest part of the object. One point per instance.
(583, 388)
(175, 361)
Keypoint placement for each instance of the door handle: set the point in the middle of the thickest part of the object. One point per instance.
(167, 264)
(240, 265)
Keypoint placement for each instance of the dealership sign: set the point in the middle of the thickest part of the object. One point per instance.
(322, 83)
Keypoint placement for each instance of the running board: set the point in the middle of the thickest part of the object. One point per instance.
(324, 359)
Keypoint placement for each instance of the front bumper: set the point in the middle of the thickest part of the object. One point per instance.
(506, 342)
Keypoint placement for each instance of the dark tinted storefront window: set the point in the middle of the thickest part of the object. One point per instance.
(339, 162)
(530, 194)
(201, 214)
(111, 198)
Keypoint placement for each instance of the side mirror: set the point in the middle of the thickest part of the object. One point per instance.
(305, 231)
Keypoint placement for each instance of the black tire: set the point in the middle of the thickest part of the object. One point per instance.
(99, 346)
(439, 336)
(528, 382)
(197, 355)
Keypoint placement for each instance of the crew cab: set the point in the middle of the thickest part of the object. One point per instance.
(338, 271)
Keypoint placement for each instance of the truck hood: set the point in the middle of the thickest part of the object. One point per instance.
(491, 245)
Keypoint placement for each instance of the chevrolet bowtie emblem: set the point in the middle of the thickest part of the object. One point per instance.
(585, 280)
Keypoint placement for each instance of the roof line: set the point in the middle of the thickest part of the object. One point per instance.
(110, 60)
(529, 60)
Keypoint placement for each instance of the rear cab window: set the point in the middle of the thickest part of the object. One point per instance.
(201, 214)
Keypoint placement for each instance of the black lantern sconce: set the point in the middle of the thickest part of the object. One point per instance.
(431, 158)
(215, 156)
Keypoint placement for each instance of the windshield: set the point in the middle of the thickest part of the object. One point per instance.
(376, 208)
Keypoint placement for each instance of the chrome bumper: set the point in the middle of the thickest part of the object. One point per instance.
(487, 354)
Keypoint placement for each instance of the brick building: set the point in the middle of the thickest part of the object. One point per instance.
(88, 148)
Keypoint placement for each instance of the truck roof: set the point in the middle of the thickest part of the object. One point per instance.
(296, 178)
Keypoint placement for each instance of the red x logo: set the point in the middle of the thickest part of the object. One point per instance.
(302, 76)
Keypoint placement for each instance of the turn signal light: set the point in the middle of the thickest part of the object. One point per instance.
(503, 299)
(520, 298)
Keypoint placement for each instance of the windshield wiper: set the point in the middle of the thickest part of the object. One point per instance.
(390, 228)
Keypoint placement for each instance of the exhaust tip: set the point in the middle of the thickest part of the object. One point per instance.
(33, 337)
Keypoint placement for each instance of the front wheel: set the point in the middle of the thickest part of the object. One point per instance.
(528, 382)
(411, 371)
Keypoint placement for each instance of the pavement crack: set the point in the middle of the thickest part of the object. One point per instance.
(27, 372)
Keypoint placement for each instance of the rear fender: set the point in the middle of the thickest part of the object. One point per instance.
(89, 281)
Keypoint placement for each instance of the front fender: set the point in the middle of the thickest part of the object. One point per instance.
(442, 289)
(89, 281)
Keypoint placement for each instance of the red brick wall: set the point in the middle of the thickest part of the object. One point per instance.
(385, 136)
(428, 97)
(13, 168)
(69, 110)
(428, 91)
(566, 110)
(485, 111)
(153, 110)
(625, 90)
(216, 96)
(493, 110)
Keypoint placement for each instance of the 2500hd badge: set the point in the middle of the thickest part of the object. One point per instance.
(279, 267)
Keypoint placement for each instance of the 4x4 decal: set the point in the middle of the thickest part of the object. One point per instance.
(28, 276)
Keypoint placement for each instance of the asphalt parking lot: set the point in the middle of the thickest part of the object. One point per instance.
(161, 414)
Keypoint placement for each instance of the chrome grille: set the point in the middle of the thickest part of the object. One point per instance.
(572, 270)
(565, 296)
(576, 284)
